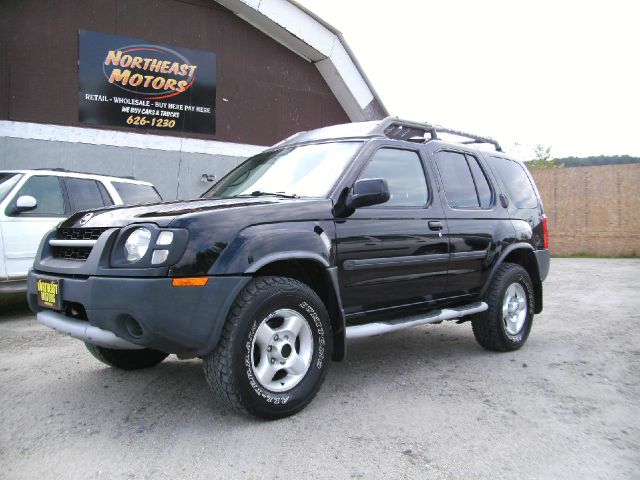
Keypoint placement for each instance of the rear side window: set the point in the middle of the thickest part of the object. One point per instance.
(84, 194)
(402, 169)
(48, 194)
(133, 193)
(516, 181)
(465, 184)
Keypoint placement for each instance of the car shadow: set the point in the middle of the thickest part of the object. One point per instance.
(13, 304)
(178, 390)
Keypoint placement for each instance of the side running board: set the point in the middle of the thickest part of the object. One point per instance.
(436, 316)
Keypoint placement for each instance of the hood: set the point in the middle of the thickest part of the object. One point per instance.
(164, 213)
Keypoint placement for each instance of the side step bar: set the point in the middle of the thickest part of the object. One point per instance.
(84, 331)
(436, 316)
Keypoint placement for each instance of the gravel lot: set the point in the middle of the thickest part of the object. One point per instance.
(427, 403)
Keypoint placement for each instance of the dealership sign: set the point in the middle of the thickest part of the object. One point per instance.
(127, 82)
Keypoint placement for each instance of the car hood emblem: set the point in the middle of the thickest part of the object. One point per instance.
(86, 218)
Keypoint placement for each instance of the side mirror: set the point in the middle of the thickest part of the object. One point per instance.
(367, 192)
(25, 203)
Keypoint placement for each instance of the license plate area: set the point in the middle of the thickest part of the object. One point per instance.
(49, 292)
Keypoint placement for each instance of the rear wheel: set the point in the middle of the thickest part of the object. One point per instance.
(274, 350)
(505, 326)
(127, 359)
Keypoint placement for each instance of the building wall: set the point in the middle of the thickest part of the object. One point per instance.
(175, 166)
(592, 210)
(265, 92)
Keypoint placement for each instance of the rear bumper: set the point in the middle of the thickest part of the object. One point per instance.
(543, 258)
(182, 320)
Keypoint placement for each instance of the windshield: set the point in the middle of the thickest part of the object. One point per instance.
(7, 182)
(305, 171)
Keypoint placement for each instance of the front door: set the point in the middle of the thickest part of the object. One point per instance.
(23, 231)
(394, 254)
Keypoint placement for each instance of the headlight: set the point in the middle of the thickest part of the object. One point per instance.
(137, 244)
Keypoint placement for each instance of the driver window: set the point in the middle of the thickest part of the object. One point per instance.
(402, 169)
(47, 192)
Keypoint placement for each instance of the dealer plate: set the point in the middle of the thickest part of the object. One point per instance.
(49, 292)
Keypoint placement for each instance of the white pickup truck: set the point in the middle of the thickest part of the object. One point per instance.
(32, 202)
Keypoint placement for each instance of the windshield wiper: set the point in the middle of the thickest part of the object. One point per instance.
(260, 193)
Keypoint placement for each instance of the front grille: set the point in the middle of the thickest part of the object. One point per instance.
(71, 252)
(80, 233)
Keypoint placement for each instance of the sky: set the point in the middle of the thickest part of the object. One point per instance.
(564, 74)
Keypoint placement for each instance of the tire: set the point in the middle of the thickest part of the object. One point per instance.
(274, 350)
(127, 359)
(506, 325)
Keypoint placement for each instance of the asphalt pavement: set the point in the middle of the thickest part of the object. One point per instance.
(426, 403)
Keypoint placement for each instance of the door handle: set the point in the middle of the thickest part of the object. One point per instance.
(436, 225)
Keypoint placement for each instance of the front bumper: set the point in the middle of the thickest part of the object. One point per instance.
(183, 320)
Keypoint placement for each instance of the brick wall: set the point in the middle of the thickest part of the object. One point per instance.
(592, 210)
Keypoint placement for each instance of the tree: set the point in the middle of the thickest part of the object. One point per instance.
(543, 159)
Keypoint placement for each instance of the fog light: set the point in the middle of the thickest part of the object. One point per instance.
(165, 238)
(133, 327)
(159, 256)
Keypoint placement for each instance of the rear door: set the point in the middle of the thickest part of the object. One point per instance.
(86, 194)
(474, 216)
(22, 231)
(389, 256)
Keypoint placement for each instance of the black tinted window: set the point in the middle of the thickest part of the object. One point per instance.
(482, 184)
(516, 182)
(84, 194)
(48, 194)
(133, 193)
(458, 182)
(402, 169)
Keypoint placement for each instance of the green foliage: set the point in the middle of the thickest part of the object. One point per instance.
(598, 160)
(543, 159)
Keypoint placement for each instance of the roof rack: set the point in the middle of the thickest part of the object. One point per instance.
(58, 169)
(395, 128)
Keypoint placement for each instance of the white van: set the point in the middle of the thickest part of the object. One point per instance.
(32, 202)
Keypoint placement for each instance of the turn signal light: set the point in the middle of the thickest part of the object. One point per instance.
(190, 282)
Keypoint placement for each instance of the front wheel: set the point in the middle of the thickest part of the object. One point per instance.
(505, 326)
(274, 350)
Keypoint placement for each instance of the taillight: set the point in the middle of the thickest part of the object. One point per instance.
(545, 230)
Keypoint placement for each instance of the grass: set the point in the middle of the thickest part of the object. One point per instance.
(593, 255)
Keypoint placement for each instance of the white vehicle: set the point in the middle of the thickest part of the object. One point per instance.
(32, 202)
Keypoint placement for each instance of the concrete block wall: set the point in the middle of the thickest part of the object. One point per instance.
(592, 210)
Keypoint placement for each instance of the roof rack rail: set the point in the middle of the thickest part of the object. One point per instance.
(59, 169)
(393, 127)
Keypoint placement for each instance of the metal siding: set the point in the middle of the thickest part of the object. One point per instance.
(255, 73)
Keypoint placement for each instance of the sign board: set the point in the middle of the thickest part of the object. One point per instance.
(126, 82)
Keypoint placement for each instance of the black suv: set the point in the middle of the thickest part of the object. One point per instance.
(342, 232)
